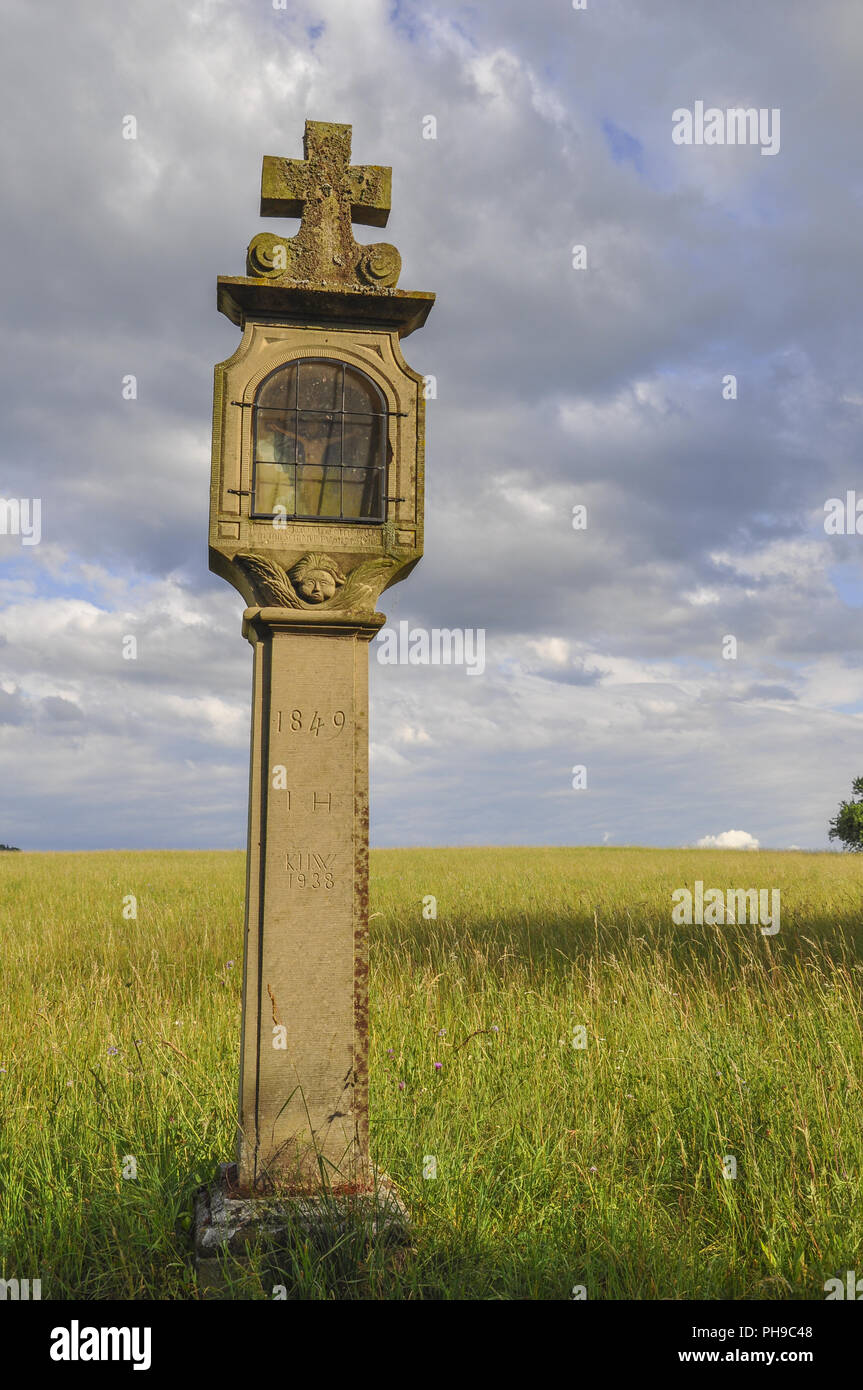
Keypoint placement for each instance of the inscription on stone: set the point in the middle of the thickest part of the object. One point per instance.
(303, 1118)
(316, 722)
(335, 537)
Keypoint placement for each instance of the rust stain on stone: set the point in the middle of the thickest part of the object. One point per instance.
(361, 972)
(316, 293)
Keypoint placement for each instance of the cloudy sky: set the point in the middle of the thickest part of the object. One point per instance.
(557, 387)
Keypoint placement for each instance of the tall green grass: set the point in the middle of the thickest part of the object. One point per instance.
(557, 1166)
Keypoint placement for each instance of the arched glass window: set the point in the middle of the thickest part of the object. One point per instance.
(320, 434)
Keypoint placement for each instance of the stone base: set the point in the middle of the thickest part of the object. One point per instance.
(227, 1227)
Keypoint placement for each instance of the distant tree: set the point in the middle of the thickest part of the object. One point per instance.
(11, 847)
(847, 824)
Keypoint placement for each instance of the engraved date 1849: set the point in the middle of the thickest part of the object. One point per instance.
(297, 721)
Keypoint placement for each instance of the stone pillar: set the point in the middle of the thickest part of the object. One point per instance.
(304, 1044)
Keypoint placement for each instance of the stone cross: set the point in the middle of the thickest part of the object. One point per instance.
(316, 507)
(328, 193)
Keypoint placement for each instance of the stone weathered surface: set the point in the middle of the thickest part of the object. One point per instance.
(303, 1079)
(312, 586)
(228, 1226)
(242, 298)
(328, 193)
(394, 546)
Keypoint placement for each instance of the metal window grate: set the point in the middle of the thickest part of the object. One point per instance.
(297, 476)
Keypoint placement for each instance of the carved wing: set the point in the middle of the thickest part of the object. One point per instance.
(362, 588)
(272, 586)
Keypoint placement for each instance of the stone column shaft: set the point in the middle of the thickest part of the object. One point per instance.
(304, 1045)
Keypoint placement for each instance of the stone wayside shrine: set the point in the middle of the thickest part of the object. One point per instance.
(316, 507)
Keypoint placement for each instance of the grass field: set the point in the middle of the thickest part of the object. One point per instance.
(557, 1165)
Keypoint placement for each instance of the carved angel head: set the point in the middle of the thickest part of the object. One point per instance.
(316, 578)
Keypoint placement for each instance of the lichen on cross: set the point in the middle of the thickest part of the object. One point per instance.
(328, 193)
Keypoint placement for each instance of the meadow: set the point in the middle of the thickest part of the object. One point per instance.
(558, 1166)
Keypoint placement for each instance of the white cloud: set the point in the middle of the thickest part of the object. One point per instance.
(728, 839)
(799, 561)
(554, 650)
(701, 598)
(556, 387)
